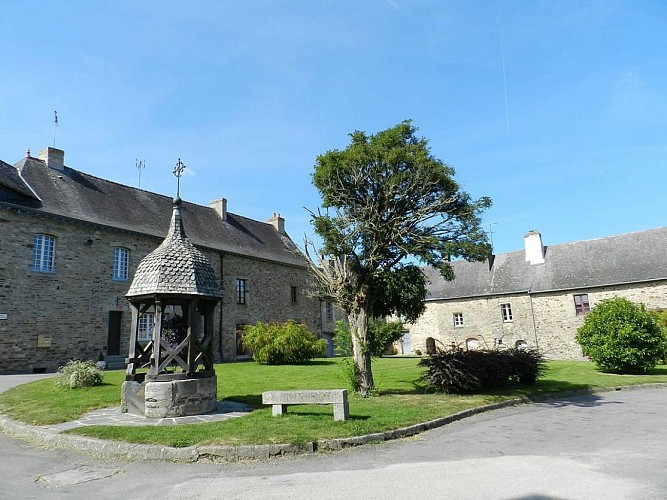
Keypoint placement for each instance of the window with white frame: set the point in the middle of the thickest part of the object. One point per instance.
(145, 330)
(120, 264)
(506, 310)
(241, 291)
(458, 319)
(43, 253)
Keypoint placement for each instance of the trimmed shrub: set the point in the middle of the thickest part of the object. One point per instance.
(622, 337)
(283, 343)
(77, 373)
(464, 372)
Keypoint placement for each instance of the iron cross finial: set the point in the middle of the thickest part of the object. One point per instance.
(178, 172)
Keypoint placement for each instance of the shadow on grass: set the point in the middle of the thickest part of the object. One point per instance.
(319, 362)
(418, 388)
(254, 400)
(301, 412)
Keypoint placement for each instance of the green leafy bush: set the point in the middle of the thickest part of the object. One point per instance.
(622, 337)
(77, 373)
(342, 339)
(350, 373)
(282, 343)
(381, 334)
(463, 372)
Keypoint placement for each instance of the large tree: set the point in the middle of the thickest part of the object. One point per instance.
(388, 202)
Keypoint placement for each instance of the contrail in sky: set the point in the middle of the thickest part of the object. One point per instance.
(502, 57)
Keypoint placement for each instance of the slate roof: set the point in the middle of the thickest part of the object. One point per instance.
(175, 267)
(76, 195)
(13, 186)
(625, 258)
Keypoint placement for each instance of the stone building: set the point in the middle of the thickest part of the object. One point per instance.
(538, 297)
(70, 244)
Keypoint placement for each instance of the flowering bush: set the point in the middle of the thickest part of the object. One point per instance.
(282, 343)
(77, 373)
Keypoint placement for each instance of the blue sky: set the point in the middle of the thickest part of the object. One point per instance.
(556, 110)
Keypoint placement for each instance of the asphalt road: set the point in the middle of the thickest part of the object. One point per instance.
(609, 447)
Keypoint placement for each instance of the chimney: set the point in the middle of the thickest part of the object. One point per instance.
(54, 158)
(220, 206)
(534, 247)
(277, 222)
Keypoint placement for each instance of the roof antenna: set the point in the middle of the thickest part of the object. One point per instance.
(55, 128)
(178, 172)
(140, 164)
(491, 231)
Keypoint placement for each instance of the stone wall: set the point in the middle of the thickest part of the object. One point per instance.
(268, 297)
(547, 320)
(54, 317)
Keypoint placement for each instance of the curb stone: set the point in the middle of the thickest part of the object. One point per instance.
(105, 449)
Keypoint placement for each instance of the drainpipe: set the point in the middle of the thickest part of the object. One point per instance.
(222, 302)
(532, 315)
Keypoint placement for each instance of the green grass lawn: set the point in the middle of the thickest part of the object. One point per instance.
(400, 401)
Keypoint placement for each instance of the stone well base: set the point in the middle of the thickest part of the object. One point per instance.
(175, 398)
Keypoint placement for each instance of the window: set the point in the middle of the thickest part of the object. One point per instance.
(145, 330)
(43, 251)
(472, 344)
(241, 291)
(329, 310)
(293, 295)
(120, 264)
(522, 345)
(506, 310)
(581, 305)
(458, 319)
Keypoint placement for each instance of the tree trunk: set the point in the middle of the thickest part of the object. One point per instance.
(361, 351)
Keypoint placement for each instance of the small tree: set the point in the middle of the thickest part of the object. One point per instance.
(387, 199)
(381, 334)
(622, 337)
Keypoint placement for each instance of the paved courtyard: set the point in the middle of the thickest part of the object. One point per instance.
(608, 446)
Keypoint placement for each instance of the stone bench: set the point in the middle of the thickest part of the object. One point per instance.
(281, 399)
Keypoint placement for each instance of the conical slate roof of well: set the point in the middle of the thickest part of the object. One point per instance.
(175, 267)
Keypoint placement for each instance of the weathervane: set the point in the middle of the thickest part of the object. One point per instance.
(55, 128)
(178, 172)
(140, 164)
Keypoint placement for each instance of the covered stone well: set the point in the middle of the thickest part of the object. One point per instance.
(173, 297)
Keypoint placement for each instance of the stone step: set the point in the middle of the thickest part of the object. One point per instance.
(115, 362)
